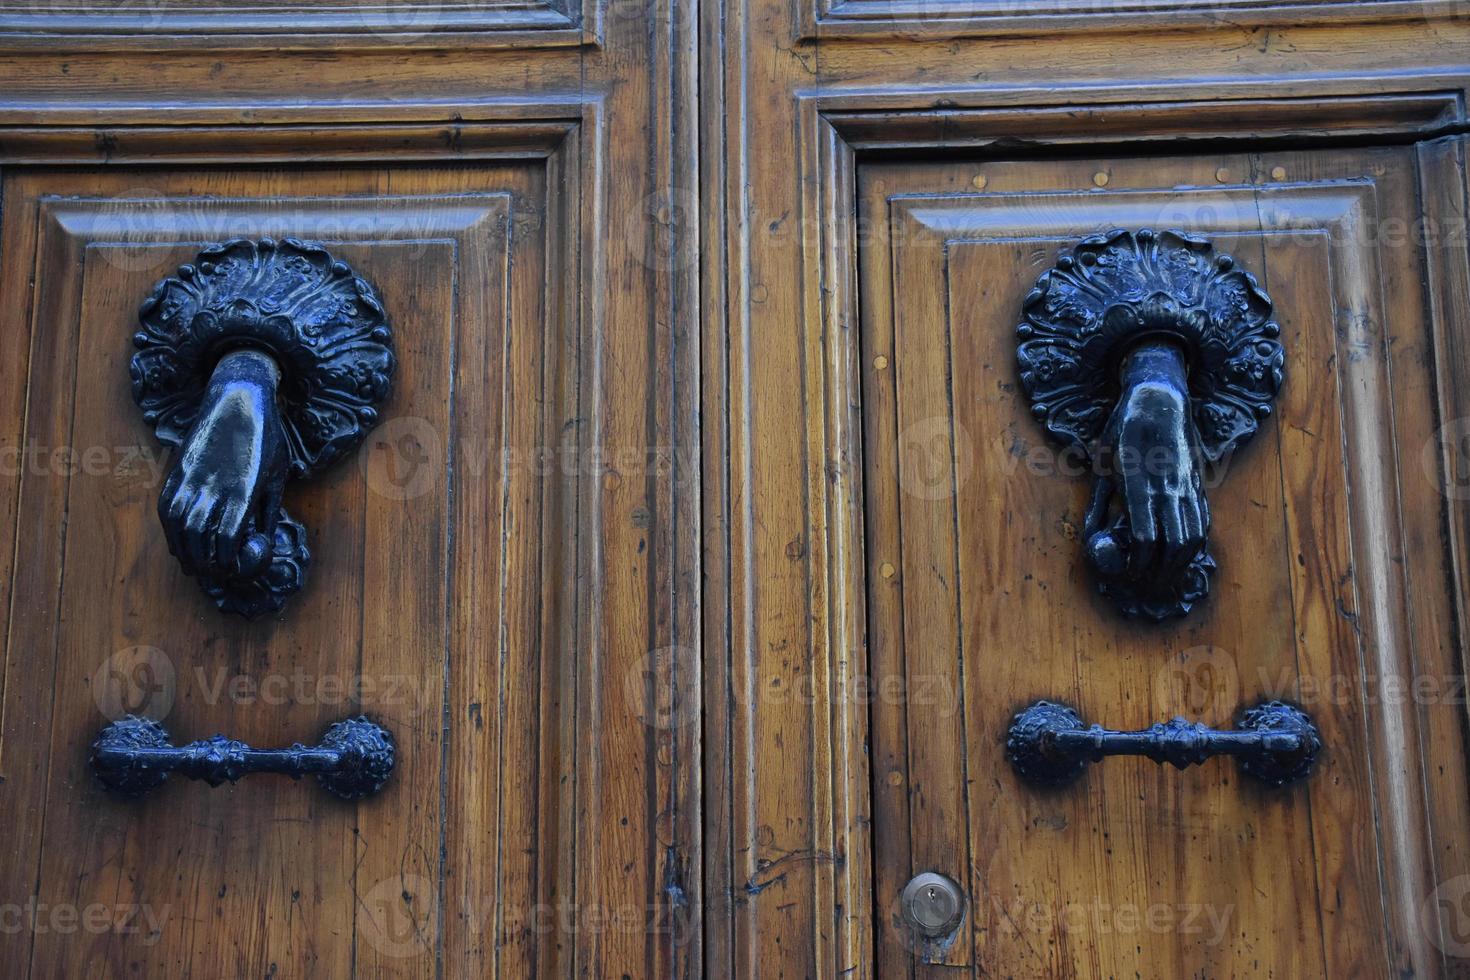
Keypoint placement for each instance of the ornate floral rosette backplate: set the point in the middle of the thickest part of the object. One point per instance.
(1116, 288)
(324, 325)
(325, 328)
(1104, 297)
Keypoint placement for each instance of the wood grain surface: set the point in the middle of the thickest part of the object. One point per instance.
(884, 198)
(506, 576)
(704, 555)
(1303, 609)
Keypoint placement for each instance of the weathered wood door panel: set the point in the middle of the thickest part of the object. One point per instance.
(1332, 590)
(438, 603)
(707, 507)
(898, 550)
(505, 575)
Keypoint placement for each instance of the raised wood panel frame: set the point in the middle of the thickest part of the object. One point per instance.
(90, 255)
(565, 138)
(170, 24)
(828, 795)
(947, 19)
(618, 96)
(1374, 752)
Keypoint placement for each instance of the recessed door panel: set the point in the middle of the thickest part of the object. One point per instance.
(979, 601)
(441, 564)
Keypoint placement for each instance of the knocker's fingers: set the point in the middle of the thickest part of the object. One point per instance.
(1194, 523)
(196, 538)
(1097, 509)
(173, 512)
(229, 536)
(1143, 527)
(172, 507)
(1176, 545)
(268, 514)
(170, 489)
(252, 554)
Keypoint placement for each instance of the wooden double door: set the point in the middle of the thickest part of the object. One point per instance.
(712, 537)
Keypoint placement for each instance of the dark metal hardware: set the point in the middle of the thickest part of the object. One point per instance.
(933, 905)
(1154, 357)
(261, 361)
(1276, 743)
(132, 756)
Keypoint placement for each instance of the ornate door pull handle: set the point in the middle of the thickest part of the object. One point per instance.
(261, 361)
(1276, 743)
(1153, 356)
(133, 755)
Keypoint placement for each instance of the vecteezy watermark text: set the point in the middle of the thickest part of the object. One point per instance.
(1099, 917)
(35, 459)
(143, 920)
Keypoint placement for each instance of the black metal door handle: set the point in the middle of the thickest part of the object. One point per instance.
(1276, 743)
(1154, 357)
(133, 755)
(261, 361)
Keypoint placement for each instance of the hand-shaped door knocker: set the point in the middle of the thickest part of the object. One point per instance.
(1155, 357)
(262, 360)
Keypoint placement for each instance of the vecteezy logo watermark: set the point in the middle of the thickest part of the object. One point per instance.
(137, 680)
(400, 916)
(405, 18)
(403, 458)
(1390, 689)
(565, 917)
(34, 916)
(652, 230)
(131, 225)
(649, 688)
(356, 691)
(653, 690)
(935, 458)
(1202, 682)
(122, 462)
(1445, 917)
(1449, 448)
(407, 457)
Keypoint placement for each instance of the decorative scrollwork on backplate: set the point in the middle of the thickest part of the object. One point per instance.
(261, 360)
(1154, 356)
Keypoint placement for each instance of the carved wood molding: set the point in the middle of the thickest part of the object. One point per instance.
(1336, 212)
(511, 137)
(979, 121)
(951, 19)
(566, 141)
(620, 236)
(835, 129)
(161, 25)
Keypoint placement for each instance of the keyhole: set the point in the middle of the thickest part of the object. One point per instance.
(933, 905)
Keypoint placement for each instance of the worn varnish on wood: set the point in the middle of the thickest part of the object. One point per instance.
(1309, 609)
(422, 596)
(918, 172)
(495, 572)
(700, 692)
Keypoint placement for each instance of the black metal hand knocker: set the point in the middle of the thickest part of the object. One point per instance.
(261, 361)
(1154, 357)
(1277, 743)
(133, 755)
